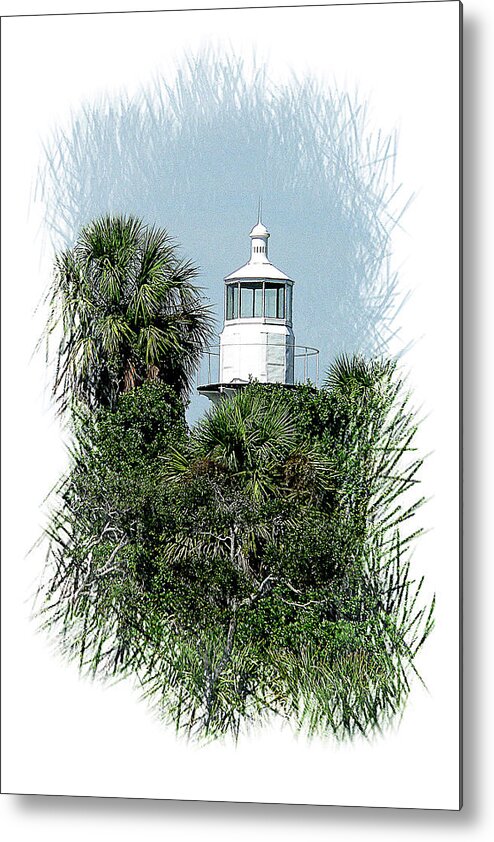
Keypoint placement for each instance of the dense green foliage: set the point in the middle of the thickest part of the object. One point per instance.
(105, 530)
(254, 565)
(128, 311)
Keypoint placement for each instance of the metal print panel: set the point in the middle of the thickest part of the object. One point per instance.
(234, 424)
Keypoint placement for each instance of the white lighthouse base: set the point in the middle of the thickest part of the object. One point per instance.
(256, 350)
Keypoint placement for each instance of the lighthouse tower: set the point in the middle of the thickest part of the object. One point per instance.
(257, 341)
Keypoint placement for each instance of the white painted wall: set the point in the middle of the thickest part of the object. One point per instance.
(256, 349)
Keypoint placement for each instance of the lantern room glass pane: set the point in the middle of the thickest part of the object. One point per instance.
(275, 301)
(271, 301)
(280, 313)
(250, 301)
(289, 304)
(246, 301)
(258, 301)
(232, 301)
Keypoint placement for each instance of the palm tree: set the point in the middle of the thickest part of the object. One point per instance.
(128, 312)
(253, 443)
(353, 376)
(373, 418)
(249, 450)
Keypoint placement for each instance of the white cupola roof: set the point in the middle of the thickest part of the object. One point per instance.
(259, 230)
(259, 266)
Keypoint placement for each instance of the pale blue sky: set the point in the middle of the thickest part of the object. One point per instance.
(194, 153)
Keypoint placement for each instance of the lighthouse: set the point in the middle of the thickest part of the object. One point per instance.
(257, 341)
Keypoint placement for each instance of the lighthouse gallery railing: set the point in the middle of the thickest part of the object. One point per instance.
(306, 359)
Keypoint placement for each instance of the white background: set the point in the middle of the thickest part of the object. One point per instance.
(62, 734)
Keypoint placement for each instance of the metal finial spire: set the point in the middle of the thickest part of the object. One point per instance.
(259, 210)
